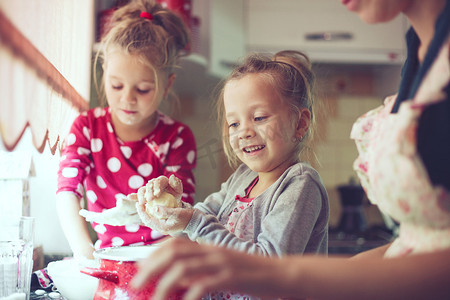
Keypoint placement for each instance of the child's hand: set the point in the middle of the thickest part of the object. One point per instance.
(166, 220)
(123, 214)
(156, 187)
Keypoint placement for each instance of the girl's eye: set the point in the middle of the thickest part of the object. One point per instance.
(259, 119)
(233, 125)
(143, 91)
(116, 87)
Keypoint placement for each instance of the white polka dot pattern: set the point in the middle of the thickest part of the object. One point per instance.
(99, 112)
(120, 196)
(100, 228)
(86, 133)
(132, 227)
(101, 183)
(117, 241)
(126, 151)
(83, 151)
(145, 169)
(98, 244)
(163, 149)
(91, 196)
(156, 234)
(190, 156)
(96, 145)
(69, 172)
(71, 139)
(80, 189)
(113, 164)
(135, 182)
(173, 168)
(178, 142)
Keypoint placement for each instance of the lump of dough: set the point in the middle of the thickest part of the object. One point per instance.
(165, 199)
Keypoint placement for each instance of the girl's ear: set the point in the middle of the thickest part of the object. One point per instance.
(169, 84)
(304, 120)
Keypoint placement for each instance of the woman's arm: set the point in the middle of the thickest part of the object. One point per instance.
(73, 225)
(420, 276)
(372, 253)
(202, 268)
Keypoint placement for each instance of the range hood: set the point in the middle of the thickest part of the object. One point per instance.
(323, 29)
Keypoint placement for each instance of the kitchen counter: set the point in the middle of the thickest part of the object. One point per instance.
(353, 243)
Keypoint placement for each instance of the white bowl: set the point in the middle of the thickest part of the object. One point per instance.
(70, 282)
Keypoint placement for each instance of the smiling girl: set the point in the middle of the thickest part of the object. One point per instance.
(275, 203)
(110, 152)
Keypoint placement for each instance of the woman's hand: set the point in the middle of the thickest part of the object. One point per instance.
(199, 269)
(124, 213)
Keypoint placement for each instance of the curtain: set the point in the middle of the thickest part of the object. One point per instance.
(45, 68)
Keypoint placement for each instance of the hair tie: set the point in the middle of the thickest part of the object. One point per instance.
(146, 15)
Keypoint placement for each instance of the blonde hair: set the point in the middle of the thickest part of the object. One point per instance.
(158, 42)
(290, 73)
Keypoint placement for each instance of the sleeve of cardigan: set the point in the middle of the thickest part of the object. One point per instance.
(285, 229)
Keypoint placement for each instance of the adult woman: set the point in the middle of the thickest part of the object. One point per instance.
(403, 165)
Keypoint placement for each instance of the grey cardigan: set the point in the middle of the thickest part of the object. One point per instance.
(290, 217)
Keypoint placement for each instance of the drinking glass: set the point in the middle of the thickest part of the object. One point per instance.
(16, 257)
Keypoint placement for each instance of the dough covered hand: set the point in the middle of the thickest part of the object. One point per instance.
(165, 200)
(165, 219)
(124, 213)
(160, 207)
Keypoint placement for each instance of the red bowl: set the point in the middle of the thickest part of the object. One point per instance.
(117, 269)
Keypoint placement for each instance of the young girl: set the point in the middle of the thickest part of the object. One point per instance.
(110, 152)
(274, 204)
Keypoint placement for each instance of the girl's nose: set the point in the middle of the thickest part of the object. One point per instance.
(129, 96)
(246, 132)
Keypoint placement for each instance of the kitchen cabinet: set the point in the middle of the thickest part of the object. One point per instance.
(324, 29)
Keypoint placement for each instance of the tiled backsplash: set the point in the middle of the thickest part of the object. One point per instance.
(337, 151)
(345, 93)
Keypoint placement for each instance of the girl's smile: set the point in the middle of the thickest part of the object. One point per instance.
(253, 149)
(261, 130)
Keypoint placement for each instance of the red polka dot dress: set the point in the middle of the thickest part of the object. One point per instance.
(96, 162)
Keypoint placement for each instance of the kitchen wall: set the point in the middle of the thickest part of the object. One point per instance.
(345, 93)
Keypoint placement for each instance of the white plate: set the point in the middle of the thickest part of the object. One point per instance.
(126, 253)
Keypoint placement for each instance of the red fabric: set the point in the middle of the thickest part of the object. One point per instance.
(111, 169)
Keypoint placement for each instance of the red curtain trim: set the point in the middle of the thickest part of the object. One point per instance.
(26, 51)
(40, 148)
